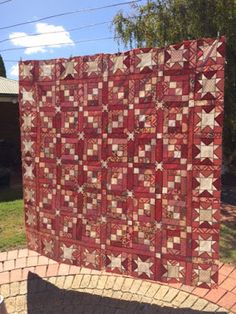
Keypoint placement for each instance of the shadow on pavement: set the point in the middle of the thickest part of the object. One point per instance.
(45, 298)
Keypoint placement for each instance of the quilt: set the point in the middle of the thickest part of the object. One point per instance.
(121, 160)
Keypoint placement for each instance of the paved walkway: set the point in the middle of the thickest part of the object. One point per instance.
(35, 284)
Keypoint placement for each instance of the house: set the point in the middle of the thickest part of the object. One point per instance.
(9, 125)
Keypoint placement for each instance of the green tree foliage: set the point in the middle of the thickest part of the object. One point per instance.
(162, 22)
(2, 67)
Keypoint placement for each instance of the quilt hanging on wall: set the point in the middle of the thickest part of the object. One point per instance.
(121, 157)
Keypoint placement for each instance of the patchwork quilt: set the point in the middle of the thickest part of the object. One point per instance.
(121, 159)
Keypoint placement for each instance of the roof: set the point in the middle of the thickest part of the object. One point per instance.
(8, 86)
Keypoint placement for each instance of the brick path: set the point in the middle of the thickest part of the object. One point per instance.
(60, 288)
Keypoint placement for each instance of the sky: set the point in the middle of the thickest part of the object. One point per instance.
(17, 11)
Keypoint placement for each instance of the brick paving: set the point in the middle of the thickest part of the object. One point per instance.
(31, 283)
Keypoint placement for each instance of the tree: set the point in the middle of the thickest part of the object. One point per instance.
(162, 22)
(2, 67)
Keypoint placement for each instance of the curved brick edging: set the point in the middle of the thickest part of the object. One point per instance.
(114, 287)
(15, 266)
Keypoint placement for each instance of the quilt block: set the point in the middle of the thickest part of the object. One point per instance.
(121, 157)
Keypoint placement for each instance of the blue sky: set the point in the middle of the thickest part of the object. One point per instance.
(17, 11)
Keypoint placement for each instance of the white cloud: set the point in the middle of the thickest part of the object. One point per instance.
(14, 70)
(43, 39)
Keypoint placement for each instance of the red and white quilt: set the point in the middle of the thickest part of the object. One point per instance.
(121, 157)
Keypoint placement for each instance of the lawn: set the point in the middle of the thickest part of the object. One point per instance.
(228, 243)
(12, 231)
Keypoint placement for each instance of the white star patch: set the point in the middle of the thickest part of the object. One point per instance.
(27, 121)
(207, 119)
(206, 151)
(48, 246)
(205, 245)
(104, 108)
(28, 146)
(90, 258)
(177, 56)
(206, 215)
(209, 85)
(104, 163)
(58, 162)
(29, 195)
(30, 220)
(58, 109)
(118, 63)
(144, 267)
(146, 60)
(206, 183)
(69, 69)
(158, 166)
(27, 96)
(130, 136)
(46, 69)
(209, 51)
(68, 252)
(81, 135)
(93, 65)
(29, 172)
(25, 70)
(116, 262)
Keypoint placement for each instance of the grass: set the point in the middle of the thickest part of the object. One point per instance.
(228, 243)
(12, 230)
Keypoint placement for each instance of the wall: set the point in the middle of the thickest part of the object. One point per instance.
(10, 133)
